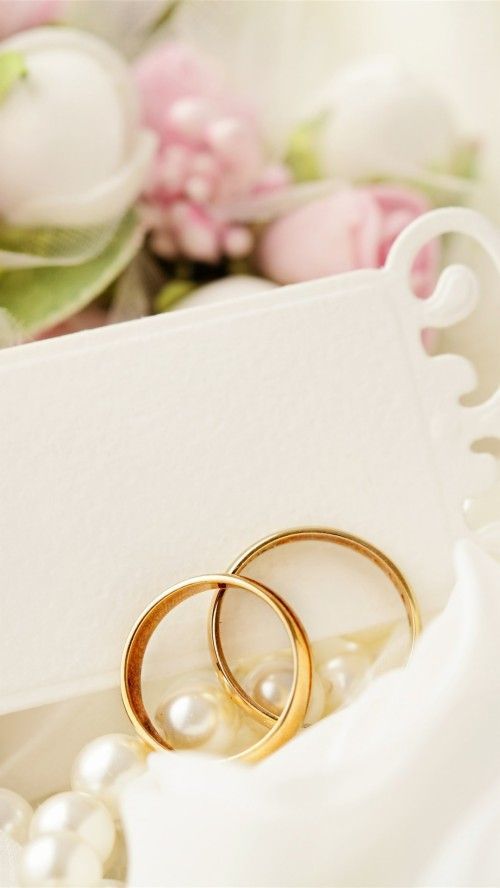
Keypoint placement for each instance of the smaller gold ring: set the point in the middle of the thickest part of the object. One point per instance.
(292, 717)
(322, 534)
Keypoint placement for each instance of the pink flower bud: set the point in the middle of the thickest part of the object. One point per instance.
(188, 117)
(20, 15)
(199, 189)
(210, 153)
(226, 136)
(163, 244)
(237, 241)
(173, 168)
(204, 164)
(349, 229)
(198, 237)
(274, 178)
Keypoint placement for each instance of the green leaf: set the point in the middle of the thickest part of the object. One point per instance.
(35, 246)
(38, 298)
(10, 331)
(12, 68)
(164, 16)
(465, 160)
(172, 293)
(302, 152)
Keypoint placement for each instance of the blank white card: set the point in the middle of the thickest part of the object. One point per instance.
(137, 455)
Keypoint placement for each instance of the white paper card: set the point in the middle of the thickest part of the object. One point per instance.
(134, 456)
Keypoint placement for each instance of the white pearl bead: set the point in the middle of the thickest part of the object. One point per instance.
(15, 815)
(270, 682)
(105, 765)
(80, 813)
(344, 672)
(59, 859)
(203, 719)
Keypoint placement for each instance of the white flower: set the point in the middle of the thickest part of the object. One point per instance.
(72, 153)
(226, 289)
(379, 118)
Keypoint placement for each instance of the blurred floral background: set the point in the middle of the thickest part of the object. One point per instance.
(160, 155)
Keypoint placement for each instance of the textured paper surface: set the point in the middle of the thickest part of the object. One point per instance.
(134, 456)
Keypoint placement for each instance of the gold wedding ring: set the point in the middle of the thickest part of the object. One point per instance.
(292, 717)
(284, 726)
(322, 534)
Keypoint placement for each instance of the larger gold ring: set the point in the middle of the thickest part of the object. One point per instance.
(292, 717)
(325, 534)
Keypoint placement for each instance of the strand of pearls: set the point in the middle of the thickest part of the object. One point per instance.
(74, 838)
(197, 715)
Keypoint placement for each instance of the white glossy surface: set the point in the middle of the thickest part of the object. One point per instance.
(59, 859)
(200, 719)
(381, 118)
(106, 764)
(79, 813)
(226, 290)
(269, 683)
(10, 854)
(51, 173)
(15, 815)
(344, 673)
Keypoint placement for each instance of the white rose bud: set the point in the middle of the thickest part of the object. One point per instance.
(380, 119)
(72, 153)
(226, 289)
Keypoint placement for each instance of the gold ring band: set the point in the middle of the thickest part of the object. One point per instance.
(322, 534)
(290, 720)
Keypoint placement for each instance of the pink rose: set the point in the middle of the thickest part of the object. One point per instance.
(173, 71)
(349, 229)
(210, 154)
(19, 15)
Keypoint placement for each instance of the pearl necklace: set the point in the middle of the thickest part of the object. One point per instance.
(75, 837)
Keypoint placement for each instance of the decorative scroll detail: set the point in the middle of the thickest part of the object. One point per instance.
(455, 297)
(444, 379)
(484, 420)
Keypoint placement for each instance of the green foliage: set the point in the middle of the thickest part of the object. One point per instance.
(38, 298)
(48, 245)
(171, 293)
(302, 152)
(164, 17)
(12, 68)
